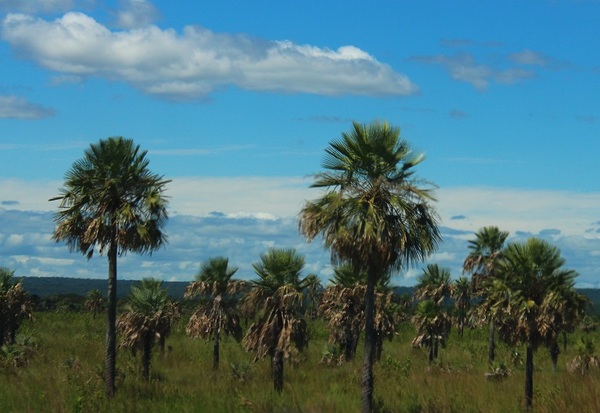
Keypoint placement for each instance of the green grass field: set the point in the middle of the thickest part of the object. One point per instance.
(65, 375)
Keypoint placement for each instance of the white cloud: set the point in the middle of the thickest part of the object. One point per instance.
(518, 209)
(241, 217)
(196, 62)
(14, 107)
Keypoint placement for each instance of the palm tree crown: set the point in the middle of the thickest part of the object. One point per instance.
(111, 198)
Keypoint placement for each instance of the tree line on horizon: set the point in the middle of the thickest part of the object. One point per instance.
(375, 216)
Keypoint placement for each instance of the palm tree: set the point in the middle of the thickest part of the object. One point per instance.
(373, 215)
(218, 312)
(94, 302)
(278, 292)
(484, 251)
(149, 316)
(431, 318)
(111, 202)
(343, 307)
(535, 290)
(433, 325)
(461, 293)
(15, 306)
(434, 284)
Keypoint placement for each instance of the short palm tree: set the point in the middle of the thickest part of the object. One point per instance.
(484, 252)
(95, 302)
(431, 317)
(434, 284)
(343, 307)
(111, 202)
(373, 214)
(534, 290)
(149, 317)
(433, 324)
(218, 311)
(278, 293)
(461, 293)
(15, 306)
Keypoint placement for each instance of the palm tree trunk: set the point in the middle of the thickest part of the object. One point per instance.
(431, 353)
(161, 344)
(216, 351)
(492, 348)
(111, 331)
(367, 381)
(277, 367)
(554, 352)
(147, 356)
(529, 377)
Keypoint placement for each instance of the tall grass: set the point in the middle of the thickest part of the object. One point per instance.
(66, 376)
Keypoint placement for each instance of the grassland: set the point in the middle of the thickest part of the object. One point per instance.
(65, 375)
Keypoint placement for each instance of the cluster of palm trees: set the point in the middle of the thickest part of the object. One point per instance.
(374, 215)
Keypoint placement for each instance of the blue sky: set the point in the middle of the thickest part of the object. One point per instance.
(235, 102)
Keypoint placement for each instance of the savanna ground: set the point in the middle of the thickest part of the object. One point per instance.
(65, 375)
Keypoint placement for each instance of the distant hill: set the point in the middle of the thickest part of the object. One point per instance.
(51, 286)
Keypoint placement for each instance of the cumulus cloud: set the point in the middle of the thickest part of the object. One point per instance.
(14, 107)
(197, 61)
(464, 68)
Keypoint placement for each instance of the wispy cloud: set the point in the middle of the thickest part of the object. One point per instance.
(200, 151)
(458, 114)
(43, 6)
(134, 14)
(15, 107)
(587, 118)
(464, 68)
(194, 63)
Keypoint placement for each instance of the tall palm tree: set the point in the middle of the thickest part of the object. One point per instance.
(149, 316)
(278, 292)
(111, 202)
(535, 290)
(484, 252)
(372, 214)
(218, 311)
(15, 306)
